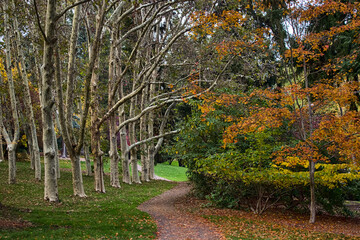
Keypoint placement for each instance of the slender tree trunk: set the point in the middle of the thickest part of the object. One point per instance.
(125, 160)
(87, 160)
(144, 156)
(125, 156)
(151, 160)
(2, 157)
(32, 160)
(1, 145)
(63, 150)
(77, 180)
(11, 143)
(12, 163)
(47, 103)
(311, 161)
(312, 191)
(98, 163)
(57, 159)
(34, 145)
(133, 155)
(95, 120)
(95, 135)
(114, 156)
(68, 138)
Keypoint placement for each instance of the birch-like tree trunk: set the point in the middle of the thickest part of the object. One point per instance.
(94, 119)
(114, 156)
(47, 103)
(33, 143)
(95, 134)
(11, 143)
(2, 158)
(87, 160)
(150, 135)
(57, 159)
(132, 132)
(65, 115)
(125, 160)
(133, 153)
(143, 135)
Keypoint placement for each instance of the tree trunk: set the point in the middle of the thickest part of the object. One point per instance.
(134, 166)
(114, 156)
(32, 160)
(311, 161)
(312, 191)
(57, 160)
(98, 163)
(34, 145)
(47, 103)
(125, 156)
(12, 163)
(151, 134)
(11, 143)
(95, 122)
(78, 186)
(63, 150)
(95, 134)
(1, 145)
(133, 155)
(87, 160)
(144, 156)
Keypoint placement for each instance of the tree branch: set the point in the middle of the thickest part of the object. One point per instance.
(38, 21)
(150, 139)
(70, 7)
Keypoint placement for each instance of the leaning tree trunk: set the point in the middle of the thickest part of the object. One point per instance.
(47, 103)
(33, 142)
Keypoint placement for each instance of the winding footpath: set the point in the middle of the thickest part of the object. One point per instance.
(174, 224)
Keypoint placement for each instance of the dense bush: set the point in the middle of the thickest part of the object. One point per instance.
(243, 174)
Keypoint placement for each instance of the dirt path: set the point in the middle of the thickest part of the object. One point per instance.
(176, 224)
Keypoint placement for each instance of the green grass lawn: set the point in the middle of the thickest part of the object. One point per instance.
(111, 215)
(171, 172)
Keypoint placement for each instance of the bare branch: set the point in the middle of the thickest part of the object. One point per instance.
(70, 7)
(38, 21)
(152, 138)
